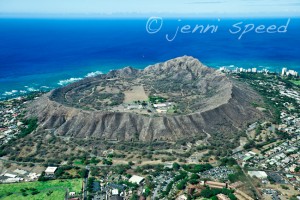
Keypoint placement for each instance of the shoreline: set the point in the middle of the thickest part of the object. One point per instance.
(62, 83)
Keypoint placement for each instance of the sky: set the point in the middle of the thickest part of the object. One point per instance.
(147, 7)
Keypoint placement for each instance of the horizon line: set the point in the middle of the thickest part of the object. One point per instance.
(146, 15)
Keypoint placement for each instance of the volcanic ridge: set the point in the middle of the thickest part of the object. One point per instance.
(180, 98)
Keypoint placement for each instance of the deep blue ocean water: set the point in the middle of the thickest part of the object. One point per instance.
(40, 54)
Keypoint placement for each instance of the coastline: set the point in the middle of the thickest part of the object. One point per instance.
(30, 56)
(28, 90)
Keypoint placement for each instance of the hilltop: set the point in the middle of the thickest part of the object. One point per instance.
(179, 98)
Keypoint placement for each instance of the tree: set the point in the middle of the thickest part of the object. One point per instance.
(94, 160)
(130, 163)
(83, 173)
(293, 198)
(207, 193)
(181, 184)
(231, 196)
(228, 161)
(147, 192)
(106, 162)
(193, 181)
(59, 172)
(176, 166)
(134, 197)
(197, 168)
(249, 145)
(42, 177)
(195, 176)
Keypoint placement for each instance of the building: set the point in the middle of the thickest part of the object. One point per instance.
(136, 179)
(115, 192)
(33, 176)
(160, 105)
(214, 184)
(10, 175)
(20, 171)
(258, 174)
(286, 72)
(12, 180)
(292, 72)
(182, 197)
(283, 72)
(50, 170)
(222, 197)
(131, 107)
(236, 185)
(115, 198)
(168, 166)
(242, 195)
(72, 193)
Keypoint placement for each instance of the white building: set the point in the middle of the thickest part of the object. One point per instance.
(136, 179)
(12, 180)
(258, 174)
(222, 68)
(283, 72)
(292, 72)
(160, 105)
(50, 170)
(286, 72)
(182, 197)
(33, 176)
(10, 175)
(115, 192)
(72, 193)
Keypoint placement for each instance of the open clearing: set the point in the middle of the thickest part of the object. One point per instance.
(136, 93)
(47, 190)
(296, 82)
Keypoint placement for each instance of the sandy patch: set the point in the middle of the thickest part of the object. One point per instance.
(109, 89)
(134, 94)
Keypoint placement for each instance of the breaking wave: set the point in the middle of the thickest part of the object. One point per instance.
(68, 81)
(72, 80)
(93, 74)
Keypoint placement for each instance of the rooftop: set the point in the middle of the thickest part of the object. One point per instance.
(136, 179)
(50, 169)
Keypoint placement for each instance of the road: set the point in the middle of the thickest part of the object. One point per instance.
(16, 162)
(250, 181)
(155, 192)
(207, 137)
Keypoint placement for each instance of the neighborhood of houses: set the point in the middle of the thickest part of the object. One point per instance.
(285, 71)
(9, 123)
(277, 162)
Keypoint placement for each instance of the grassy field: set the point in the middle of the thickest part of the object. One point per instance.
(78, 162)
(296, 82)
(47, 190)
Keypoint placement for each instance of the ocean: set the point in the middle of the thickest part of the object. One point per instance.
(42, 54)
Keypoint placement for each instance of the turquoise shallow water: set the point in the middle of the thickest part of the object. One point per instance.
(39, 54)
